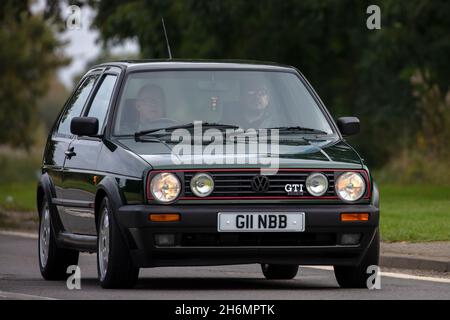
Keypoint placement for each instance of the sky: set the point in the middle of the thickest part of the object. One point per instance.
(82, 45)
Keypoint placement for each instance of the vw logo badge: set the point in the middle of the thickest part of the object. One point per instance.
(260, 184)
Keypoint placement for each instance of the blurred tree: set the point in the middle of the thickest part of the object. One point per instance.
(402, 67)
(50, 104)
(29, 56)
(382, 76)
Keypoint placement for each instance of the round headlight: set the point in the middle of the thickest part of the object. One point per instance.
(165, 187)
(350, 186)
(202, 184)
(317, 184)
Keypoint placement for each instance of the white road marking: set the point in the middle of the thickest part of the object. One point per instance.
(22, 296)
(412, 277)
(393, 275)
(28, 235)
(328, 268)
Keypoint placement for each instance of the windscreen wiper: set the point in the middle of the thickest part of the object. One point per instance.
(296, 129)
(186, 126)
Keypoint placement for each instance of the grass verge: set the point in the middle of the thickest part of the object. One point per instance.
(415, 213)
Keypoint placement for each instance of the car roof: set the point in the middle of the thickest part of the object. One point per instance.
(140, 65)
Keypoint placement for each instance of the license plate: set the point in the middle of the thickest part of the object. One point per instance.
(262, 222)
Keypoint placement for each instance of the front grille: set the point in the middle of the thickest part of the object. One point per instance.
(239, 183)
(256, 239)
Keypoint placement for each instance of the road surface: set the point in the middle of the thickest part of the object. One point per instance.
(20, 279)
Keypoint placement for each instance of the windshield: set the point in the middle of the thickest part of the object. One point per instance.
(248, 99)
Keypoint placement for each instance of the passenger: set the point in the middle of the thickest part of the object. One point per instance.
(255, 100)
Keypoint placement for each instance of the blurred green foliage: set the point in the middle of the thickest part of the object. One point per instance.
(28, 57)
(49, 105)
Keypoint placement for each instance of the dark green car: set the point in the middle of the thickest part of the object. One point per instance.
(186, 163)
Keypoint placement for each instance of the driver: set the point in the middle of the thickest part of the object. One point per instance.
(150, 104)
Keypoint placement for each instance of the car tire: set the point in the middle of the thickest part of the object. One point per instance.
(357, 276)
(114, 265)
(53, 261)
(279, 271)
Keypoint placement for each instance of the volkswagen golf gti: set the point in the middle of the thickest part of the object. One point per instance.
(193, 163)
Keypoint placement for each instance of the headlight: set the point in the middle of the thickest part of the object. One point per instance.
(202, 184)
(165, 187)
(350, 186)
(317, 184)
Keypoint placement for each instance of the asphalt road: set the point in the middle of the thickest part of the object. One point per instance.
(20, 279)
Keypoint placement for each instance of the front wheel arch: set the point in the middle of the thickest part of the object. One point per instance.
(107, 188)
(99, 196)
(44, 189)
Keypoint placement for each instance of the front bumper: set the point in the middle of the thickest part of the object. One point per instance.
(199, 243)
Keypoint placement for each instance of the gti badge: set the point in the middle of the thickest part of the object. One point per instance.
(294, 189)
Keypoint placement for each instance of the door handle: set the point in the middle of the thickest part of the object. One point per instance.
(70, 153)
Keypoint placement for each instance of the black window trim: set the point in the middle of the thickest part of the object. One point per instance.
(115, 98)
(88, 105)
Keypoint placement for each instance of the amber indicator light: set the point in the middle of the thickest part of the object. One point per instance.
(163, 217)
(354, 216)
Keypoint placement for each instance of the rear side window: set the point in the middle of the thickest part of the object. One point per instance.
(100, 104)
(76, 103)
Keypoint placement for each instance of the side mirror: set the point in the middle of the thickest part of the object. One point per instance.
(348, 125)
(84, 126)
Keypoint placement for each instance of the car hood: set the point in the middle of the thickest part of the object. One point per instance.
(293, 153)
